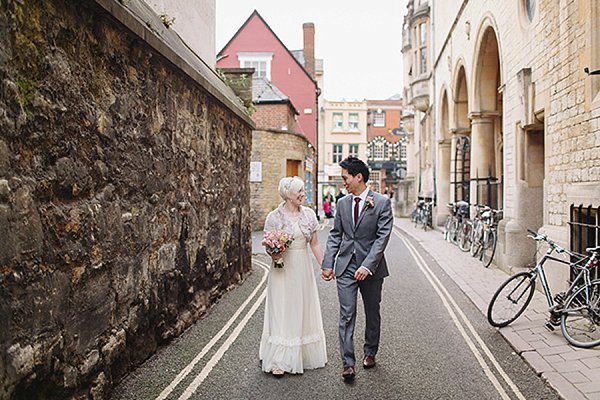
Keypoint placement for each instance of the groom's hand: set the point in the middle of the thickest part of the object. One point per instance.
(361, 274)
(327, 274)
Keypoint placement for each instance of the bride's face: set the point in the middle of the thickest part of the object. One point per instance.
(296, 197)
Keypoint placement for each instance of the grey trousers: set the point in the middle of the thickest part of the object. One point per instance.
(370, 290)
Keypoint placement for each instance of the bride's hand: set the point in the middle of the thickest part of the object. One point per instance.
(276, 256)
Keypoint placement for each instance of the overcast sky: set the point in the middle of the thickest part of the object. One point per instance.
(359, 41)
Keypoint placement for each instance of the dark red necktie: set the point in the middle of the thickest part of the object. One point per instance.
(357, 201)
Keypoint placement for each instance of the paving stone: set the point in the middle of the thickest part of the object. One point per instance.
(576, 377)
(537, 362)
(564, 388)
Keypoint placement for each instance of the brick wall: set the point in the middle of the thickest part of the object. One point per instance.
(274, 116)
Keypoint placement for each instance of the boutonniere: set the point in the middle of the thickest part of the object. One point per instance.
(369, 203)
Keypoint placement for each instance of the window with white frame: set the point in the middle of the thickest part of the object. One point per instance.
(261, 62)
(353, 150)
(338, 120)
(378, 150)
(353, 122)
(374, 179)
(337, 153)
(423, 48)
(379, 117)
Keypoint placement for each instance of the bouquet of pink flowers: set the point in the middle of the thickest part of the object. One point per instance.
(276, 242)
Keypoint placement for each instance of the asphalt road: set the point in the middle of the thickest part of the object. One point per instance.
(435, 345)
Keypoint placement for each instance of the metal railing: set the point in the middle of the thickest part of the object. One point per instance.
(584, 227)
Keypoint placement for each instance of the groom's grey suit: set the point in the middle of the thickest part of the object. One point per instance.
(349, 247)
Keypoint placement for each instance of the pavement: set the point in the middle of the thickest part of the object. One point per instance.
(573, 372)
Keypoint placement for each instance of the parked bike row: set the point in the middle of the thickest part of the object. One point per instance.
(478, 235)
(421, 215)
(576, 311)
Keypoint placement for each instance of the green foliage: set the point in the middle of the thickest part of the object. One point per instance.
(26, 90)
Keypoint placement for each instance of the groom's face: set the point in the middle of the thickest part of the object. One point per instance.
(353, 184)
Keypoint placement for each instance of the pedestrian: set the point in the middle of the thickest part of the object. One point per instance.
(327, 208)
(339, 196)
(293, 338)
(392, 194)
(354, 256)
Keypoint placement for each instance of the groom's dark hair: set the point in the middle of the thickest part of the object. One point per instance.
(355, 166)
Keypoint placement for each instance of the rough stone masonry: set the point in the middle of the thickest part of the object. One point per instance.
(124, 200)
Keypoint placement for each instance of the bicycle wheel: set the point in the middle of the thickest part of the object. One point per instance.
(447, 227)
(464, 236)
(489, 247)
(511, 299)
(477, 238)
(580, 319)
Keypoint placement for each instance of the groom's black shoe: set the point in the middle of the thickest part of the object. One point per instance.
(348, 373)
(369, 362)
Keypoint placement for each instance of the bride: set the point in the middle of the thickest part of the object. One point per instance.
(293, 339)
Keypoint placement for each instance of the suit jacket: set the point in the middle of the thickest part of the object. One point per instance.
(368, 239)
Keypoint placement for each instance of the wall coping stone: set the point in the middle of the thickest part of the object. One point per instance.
(143, 22)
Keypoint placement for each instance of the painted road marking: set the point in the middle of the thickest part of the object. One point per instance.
(447, 300)
(185, 372)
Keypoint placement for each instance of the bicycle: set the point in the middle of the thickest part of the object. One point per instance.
(577, 310)
(458, 211)
(415, 216)
(426, 214)
(490, 236)
(485, 236)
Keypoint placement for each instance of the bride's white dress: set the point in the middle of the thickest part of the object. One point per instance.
(293, 339)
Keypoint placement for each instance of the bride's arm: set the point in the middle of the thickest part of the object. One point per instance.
(315, 246)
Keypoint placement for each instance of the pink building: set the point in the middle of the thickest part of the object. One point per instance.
(256, 46)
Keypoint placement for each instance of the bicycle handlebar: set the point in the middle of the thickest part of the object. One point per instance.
(543, 238)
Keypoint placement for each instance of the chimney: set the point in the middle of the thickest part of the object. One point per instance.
(309, 48)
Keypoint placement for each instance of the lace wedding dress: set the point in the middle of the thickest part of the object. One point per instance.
(293, 339)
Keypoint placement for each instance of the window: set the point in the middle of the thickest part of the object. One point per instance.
(585, 229)
(530, 7)
(378, 150)
(402, 152)
(337, 153)
(423, 48)
(260, 68)
(353, 122)
(261, 62)
(379, 118)
(353, 150)
(337, 122)
(375, 178)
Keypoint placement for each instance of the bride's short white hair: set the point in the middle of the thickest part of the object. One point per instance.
(290, 185)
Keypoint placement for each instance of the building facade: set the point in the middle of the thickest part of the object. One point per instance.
(344, 134)
(386, 150)
(501, 111)
(256, 46)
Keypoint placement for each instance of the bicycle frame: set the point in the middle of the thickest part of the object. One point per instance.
(539, 271)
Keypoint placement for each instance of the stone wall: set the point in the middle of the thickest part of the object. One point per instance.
(124, 195)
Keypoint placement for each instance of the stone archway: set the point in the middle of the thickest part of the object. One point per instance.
(486, 122)
(460, 159)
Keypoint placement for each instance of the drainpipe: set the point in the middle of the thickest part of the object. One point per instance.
(316, 164)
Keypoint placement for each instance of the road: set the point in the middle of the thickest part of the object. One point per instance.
(435, 345)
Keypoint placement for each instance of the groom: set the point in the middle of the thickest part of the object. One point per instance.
(354, 254)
